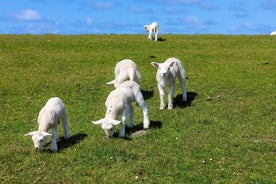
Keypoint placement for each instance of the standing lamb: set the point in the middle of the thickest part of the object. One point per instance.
(165, 76)
(48, 118)
(119, 102)
(152, 28)
(125, 70)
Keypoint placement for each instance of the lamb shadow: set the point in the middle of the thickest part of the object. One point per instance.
(138, 127)
(190, 98)
(75, 139)
(147, 94)
(153, 125)
(161, 39)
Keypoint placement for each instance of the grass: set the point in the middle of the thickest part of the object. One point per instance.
(224, 134)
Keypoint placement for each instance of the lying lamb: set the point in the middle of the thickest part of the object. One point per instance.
(153, 28)
(165, 76)
(273, 33)
(48, 118)
(118, 103)
(125, 70)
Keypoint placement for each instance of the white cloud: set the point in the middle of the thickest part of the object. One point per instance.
(195, 24)
(193, 20)
(29, 15)
(102, 5)
(37, 28)
(249, 26)
(137, 9)
(89, 21)
(269, 4)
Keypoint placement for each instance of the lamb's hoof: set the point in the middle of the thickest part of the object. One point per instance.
(122, 134)
(162, 107)
(54, 150)
(184, 98)
(170, 107)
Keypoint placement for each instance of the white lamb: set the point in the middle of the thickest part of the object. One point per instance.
(125, 70)
(273, 33)
(165, 76)
(152, 28)
(119, 102)
(48, 118)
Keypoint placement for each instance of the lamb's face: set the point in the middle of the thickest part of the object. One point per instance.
(108, 125)
(39, 140)
(147, 28)
(164, 70)
(109, 132)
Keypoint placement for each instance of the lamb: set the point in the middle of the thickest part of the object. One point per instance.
(152, 28)
(125, 70)
(165, 76)
(48, 118)
(273, 33)
(119, 102)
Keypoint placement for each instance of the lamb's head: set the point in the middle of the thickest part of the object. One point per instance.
(163, 68)
(39, 138)
(147, 27)
(108, 125)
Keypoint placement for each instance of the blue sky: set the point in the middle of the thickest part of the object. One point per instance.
(130, 16)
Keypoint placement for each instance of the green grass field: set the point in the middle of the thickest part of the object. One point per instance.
(225, 133)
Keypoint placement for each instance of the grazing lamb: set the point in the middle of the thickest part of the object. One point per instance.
(118, 103)
(48, 118)
(165, 76)
(273, 33)
(125, 70)
(153, 28)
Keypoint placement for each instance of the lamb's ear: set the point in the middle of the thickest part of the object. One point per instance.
(45, 134)
(111, 82)
(30, 133)
(98, 122)
(172, 63)
(115, 122)
(156, 65)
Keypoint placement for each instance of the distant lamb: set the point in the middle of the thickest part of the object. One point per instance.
(152, 28)
(165, 76)
(125, 70)
(48, 118)
(273, 33)
(119, 102)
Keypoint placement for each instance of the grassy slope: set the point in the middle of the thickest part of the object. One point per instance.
(225, 134)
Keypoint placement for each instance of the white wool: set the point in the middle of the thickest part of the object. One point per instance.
(48, 118)
(119, 102)
(152, 28)
(166, 75)
(125, 70)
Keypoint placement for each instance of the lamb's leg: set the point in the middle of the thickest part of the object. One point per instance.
(161, 94)
(54, 139)
(122, 128)
(146, 121)
(131, 117)
(150, 32)
(143, 105)
(65, 127)
(170, 96)
(183, 86)
(156, 35)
